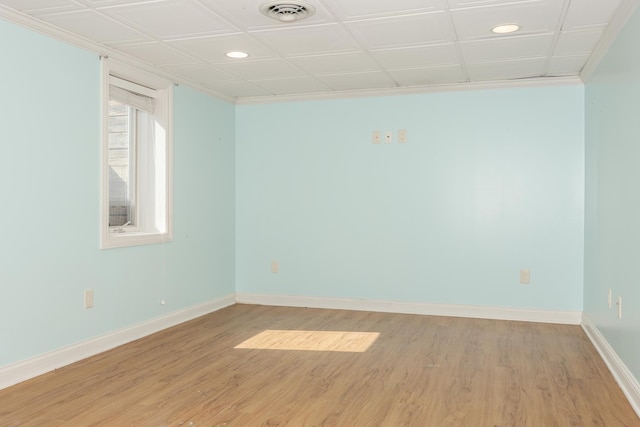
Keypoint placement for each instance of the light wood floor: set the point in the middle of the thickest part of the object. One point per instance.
(420, 371)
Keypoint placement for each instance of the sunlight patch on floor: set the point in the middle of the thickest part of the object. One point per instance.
(351, 342)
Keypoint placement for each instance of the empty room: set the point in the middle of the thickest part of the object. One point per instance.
(320, 213)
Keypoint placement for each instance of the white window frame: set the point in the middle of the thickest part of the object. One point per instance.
(155, 220)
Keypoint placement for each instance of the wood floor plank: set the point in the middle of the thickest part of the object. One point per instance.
(420, 371)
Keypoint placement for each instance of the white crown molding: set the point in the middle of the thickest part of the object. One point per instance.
(45, 28)
(38, 365)
(73, 39)
(623, 376)
(622, 15)
(415, 90)
(472, 311)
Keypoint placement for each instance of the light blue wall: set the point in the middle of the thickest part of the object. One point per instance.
(612, 218)
(490, 182)
(49, 184)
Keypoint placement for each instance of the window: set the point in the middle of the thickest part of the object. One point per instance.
(136, 157)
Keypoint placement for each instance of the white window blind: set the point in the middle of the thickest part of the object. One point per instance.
(136, 157)
(132, 94)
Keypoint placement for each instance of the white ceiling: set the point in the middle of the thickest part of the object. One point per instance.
(346, 46)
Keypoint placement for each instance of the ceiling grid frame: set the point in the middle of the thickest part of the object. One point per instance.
(308, 59)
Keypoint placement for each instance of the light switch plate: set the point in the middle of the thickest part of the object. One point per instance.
(376, 138)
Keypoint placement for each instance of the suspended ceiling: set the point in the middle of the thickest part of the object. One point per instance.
(347, 47)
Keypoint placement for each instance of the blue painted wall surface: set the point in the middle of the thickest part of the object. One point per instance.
(612, 226)
(50, 183)
(490, 182)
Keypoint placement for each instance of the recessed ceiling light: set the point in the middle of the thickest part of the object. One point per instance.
(505, 29)
(237, 54)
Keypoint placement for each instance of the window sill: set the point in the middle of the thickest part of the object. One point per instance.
(121, 240)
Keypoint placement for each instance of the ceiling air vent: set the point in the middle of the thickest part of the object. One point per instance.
(287, 11)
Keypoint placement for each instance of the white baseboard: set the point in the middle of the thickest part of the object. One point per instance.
(481, 312)
(38, 365)
(623, 376)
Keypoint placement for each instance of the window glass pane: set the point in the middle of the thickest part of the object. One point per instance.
(121, 159)
(136, 157)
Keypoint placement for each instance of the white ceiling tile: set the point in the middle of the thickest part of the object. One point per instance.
(171, 19)
(95, 26)
(33, 4)
(567, 65)
(459, 4)
(245, 14)
(293, 85)
(507, 70)
(213, 48)
(237, 89)
(201, 73)
(336, 64)
(359, 9)
(36, 7)
(156, 53)
(346, 45)
(103, 3)
(415, 30)
(507, 48)
(357, 81)
(589, 13)
(533, 17)
(429, 76)
(412, 57)
(261, 69)
(573, 42)
(316, 39)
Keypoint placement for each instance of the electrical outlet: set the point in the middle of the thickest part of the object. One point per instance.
(88, 298)
(402, 136)
(275, 267)
(525, 276)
